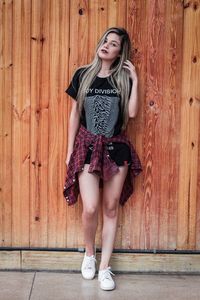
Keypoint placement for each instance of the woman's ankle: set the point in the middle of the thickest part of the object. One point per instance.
(90, 251)
(103, 266)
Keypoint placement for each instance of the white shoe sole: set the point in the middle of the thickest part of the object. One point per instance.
(107, 288)
(88, 278)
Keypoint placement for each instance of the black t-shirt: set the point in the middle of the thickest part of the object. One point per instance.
(101, 112)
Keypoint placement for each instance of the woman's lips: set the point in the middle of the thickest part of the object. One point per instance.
(104, 51)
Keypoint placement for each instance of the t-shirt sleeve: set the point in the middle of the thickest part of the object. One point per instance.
(73, 87)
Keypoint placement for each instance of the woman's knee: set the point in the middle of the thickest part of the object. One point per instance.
(110, 209)
(90, 212)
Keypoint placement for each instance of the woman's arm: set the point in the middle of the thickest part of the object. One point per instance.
(74, 123)
(133, 100)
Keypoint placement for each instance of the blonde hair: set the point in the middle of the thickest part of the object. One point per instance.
(119, 78)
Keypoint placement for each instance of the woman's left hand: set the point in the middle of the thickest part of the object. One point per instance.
(131, 68)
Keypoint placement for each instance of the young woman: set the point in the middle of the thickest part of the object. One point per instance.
(99, 153)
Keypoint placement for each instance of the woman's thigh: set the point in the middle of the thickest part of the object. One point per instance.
(112, 188)
(89, 188)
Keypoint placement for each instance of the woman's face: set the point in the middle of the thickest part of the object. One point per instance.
(110, 48)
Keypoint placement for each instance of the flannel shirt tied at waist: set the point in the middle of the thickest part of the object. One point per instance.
(100, 163)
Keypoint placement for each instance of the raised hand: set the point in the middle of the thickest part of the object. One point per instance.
(131, 70)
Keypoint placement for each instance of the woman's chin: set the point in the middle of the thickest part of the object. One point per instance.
(105, 58)
(102, 55)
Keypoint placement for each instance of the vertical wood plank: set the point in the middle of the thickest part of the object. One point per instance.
(198, 200)
(39, 122)
(93, 34)
(153, 108)
(75, 13)
(102, 16)
(122, 13)
(43, 119)
(112, 12)
(53, 124)
(62, 124)
(190, 109)
(1, 118)
(35, 198)
(133, 211)
(170, 125)
(6, 109)
(21, 123)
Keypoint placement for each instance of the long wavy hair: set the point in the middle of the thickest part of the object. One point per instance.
(119, 78)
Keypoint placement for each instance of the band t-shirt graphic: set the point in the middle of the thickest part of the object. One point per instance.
(102, 115)
(102, 110)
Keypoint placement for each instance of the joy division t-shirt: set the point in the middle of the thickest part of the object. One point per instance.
(101, 110)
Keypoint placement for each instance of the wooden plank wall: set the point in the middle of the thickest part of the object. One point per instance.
(41, 44)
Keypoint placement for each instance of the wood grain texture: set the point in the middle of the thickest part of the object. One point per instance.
(41, 45)
(21, 123)
(62, 124)
(190, 114)
(55, 106)
(71, 261)
(46, 260)
(6, 65)
(1, 120)
(169, 126)
(10, 260)
(136, 23)
(39, 123)
(154, 102)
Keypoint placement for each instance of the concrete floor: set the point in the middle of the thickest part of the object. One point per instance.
(71, 286)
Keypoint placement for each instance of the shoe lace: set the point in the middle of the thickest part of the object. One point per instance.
(89, 261)
(107, 274)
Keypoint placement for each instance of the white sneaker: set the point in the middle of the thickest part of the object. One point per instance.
(88, 268)
(106, 281)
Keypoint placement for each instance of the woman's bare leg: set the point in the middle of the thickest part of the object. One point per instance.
(111, 194)
(89, 190)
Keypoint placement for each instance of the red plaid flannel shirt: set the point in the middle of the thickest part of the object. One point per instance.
(100, 163)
